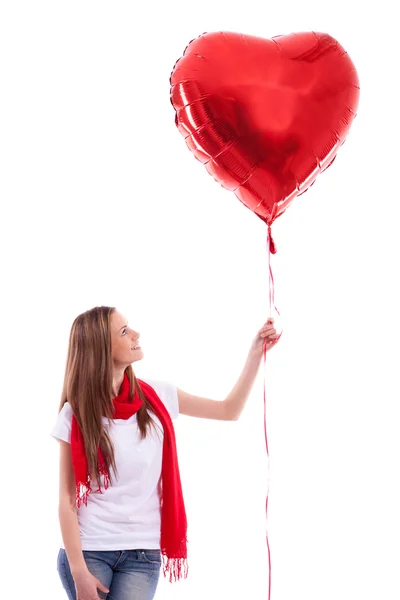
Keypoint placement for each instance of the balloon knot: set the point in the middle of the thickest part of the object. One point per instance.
(272, 246)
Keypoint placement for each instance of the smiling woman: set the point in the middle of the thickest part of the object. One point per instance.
(118, 431)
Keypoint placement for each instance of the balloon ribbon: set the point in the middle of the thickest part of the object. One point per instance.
(271, 249)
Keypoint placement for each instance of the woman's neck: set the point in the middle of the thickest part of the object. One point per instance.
(118, 377)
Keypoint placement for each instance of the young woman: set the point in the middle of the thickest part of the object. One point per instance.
(121, 507)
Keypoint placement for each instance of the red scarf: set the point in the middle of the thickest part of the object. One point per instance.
(173, 515)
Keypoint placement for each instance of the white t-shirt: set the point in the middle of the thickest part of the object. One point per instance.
(127, 515)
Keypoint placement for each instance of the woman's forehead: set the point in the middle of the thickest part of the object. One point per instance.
(119, 319)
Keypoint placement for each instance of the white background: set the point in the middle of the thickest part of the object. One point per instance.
(102, 203)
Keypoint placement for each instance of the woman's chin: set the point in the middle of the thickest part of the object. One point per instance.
(138, 355)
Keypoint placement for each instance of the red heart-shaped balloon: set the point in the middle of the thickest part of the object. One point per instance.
(265, 115)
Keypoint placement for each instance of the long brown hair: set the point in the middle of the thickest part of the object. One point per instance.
(88, 385)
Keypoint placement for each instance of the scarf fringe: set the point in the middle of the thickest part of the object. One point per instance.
(84, 489)
(177, 567)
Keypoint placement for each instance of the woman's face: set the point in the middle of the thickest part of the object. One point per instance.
(123, 341)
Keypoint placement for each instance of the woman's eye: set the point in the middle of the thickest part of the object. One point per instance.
(123, 331)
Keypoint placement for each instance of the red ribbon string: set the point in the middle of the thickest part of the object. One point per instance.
(271, 249)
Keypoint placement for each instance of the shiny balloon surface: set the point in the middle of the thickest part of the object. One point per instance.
(265, 116)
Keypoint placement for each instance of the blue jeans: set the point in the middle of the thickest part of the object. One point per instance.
(128, 574)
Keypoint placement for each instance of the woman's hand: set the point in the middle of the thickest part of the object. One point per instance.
(268, 335)
(86, 586)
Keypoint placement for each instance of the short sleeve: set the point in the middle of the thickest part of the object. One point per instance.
(168, 394)
(63, 424)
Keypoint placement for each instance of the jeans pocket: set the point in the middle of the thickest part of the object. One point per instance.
(152, 556)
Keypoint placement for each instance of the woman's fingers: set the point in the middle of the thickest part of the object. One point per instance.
(270, 331)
